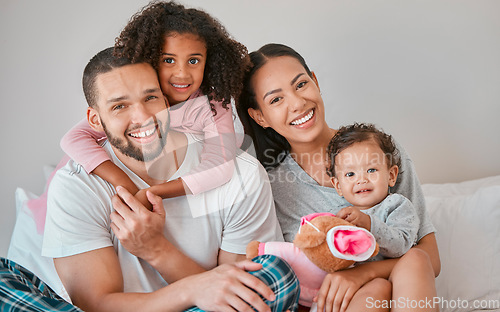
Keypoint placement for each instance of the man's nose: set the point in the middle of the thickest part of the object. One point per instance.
(140, 114)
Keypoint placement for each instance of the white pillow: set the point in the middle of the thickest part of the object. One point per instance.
(26, 244)
(467, 219)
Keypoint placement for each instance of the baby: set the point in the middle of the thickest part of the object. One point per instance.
(364, 164)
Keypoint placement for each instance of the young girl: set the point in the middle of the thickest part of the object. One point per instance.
(200, 69)
(364, 164)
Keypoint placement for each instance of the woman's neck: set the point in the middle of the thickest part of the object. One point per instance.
(312, 157)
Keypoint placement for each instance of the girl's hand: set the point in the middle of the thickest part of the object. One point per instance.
(338, 289)
(355, 216)
(143, 199)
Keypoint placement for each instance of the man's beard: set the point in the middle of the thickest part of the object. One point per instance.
(127, 148)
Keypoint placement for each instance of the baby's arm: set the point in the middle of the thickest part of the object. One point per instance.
(219, 149)
(81, 143)
(395, 224)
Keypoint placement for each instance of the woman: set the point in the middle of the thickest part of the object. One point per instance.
(282, 110)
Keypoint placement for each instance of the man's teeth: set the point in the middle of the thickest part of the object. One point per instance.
(303, 119)
(180, 86)
(142, 134)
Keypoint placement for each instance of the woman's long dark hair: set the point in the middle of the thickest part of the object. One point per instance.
(269, 145)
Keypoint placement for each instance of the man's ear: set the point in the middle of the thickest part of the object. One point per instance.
(94, 120)
(336, 185)
(393, 175)
(256, 115)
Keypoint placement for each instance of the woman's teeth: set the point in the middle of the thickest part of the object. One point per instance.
(143, 134)
(303, 119)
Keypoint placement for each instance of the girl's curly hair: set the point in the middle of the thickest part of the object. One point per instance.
(227, 59)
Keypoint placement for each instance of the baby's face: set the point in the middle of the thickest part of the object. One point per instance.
(362, 174)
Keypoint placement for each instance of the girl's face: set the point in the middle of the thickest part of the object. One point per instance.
(182, 65)
(289, 100)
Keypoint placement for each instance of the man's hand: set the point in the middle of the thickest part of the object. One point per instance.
(138, 229)
(355, 216)
(229, 287)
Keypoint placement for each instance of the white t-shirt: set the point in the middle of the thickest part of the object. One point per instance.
(227, 218)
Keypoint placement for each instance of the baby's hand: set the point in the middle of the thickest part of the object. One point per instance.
(141, 196)
(355, 216)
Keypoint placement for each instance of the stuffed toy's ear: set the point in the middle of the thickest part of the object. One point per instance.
(309, 240)
(351, 243)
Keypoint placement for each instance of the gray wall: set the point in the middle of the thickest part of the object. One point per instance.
(428, 71)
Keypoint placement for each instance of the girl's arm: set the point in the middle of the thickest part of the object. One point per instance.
(219, 149)
(81, 143)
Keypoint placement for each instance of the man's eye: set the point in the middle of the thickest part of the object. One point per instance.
(169, 60)
(371, 170)
(118, 107)
(194, 61)
(151, 97)
(349, 174)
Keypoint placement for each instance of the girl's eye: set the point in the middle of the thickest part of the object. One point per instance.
(194, 61)
(301, 84)
(349, 174)
(372, 170)
(169, 60)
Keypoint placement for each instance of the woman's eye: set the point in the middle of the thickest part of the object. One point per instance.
(301, 84)
(349, 174)
(169, 60)
(275, 100)
(372, 170)
(194, 61)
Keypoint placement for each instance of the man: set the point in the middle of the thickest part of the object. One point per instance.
(112, 254)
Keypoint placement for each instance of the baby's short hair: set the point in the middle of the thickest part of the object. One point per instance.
(361, 132)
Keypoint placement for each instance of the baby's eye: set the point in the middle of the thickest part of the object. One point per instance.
(194, 61)
(349, 174)
(168, 60)
(371, 170)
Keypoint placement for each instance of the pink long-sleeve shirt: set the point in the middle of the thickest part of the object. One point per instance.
(194, 115)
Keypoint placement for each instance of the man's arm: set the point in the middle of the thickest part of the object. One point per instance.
(94, 282)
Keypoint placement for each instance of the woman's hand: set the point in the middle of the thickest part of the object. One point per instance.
(338, 289)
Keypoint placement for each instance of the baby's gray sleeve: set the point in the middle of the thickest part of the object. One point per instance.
(395, 225)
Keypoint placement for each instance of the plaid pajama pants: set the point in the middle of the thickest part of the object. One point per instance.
(21, 290)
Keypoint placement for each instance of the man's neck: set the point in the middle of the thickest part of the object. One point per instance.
(164, 166)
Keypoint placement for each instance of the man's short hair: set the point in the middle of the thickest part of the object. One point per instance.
(103, 62)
